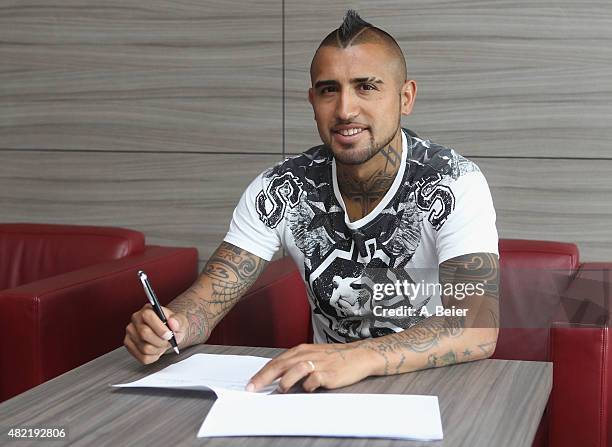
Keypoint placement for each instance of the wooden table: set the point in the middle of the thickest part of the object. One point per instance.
(484, 403)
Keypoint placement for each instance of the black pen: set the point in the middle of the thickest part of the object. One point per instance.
(156, 307)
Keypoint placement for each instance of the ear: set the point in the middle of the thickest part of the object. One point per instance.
(311, 94)
(408, 96)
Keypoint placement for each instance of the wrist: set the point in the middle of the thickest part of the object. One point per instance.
(374, 359)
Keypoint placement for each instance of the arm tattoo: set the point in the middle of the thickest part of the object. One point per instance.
(477, 268)
(434, 360)
(229, 273)
(423, 338)
(232, 271)
(439, 338)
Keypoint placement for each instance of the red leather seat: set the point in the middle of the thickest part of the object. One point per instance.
(67, 293)
(552, 309)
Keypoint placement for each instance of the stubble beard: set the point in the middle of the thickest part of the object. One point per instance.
(348, 156)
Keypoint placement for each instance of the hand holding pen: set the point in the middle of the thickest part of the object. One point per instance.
(156, 306)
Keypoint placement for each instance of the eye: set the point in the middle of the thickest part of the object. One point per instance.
(368, 87)
(328, 89)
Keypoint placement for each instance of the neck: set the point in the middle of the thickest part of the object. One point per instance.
(364, 185)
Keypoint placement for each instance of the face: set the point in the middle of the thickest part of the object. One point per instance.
(358, 100)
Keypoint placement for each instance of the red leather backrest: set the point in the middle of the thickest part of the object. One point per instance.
(29, 252)
(534, 276)
(525, 253)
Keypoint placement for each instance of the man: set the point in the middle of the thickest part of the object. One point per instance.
(373, 203)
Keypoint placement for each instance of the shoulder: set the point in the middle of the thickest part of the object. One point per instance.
(427, 159)
(302, 164)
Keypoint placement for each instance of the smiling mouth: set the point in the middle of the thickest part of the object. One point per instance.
(349, 132)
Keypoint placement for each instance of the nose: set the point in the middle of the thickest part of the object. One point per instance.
(347, 107)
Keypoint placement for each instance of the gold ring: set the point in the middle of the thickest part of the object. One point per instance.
(311, 363)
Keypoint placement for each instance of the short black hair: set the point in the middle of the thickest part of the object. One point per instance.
(354, 31)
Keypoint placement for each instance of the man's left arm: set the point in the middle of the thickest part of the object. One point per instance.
(469, 334)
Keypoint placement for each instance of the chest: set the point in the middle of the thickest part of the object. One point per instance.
(358, 208)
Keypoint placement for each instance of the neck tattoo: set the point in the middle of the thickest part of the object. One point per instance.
(366, 193)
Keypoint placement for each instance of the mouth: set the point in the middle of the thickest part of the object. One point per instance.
(347, 135)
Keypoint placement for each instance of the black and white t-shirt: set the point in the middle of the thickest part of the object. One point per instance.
(438, 207)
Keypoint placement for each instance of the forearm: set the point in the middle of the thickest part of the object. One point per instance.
(439, 341)
(227, 276)
(436, 341)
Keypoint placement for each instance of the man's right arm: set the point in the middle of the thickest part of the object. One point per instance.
(192, 316)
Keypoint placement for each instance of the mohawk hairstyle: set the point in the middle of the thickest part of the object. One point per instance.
(354, 31)
(351, 27)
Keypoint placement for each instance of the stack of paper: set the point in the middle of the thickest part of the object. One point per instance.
(319, 414)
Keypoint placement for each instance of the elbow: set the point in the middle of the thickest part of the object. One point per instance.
(489, 343)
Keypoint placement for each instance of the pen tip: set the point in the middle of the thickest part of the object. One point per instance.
(176, 349)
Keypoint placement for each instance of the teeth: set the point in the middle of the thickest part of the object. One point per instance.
(349, 132)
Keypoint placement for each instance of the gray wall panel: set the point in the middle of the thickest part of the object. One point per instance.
(125, 113)
(554, 200)
(527, 78)
(184, 201)
(134, 75)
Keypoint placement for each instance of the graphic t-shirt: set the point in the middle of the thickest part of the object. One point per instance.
(438, 207)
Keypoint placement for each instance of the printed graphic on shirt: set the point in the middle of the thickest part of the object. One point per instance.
(283, 190)
(300, 193)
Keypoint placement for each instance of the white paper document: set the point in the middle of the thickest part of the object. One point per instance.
(223, 374)
(237, 412)
(327, 414)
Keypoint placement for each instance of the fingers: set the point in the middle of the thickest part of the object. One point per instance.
(146, 337)
(314, 381)
(266, 375)
(174, 324)
(294, 375)
(291, 367)
(276, 367)
(143, 358)
(150, 318)
(317, 366)
(290, 371)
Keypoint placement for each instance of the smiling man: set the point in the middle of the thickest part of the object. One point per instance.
(373, 209)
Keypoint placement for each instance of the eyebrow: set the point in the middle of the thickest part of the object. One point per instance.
(326, 83)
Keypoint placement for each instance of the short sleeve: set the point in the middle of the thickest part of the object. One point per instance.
(470, 227)
(246, 230)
